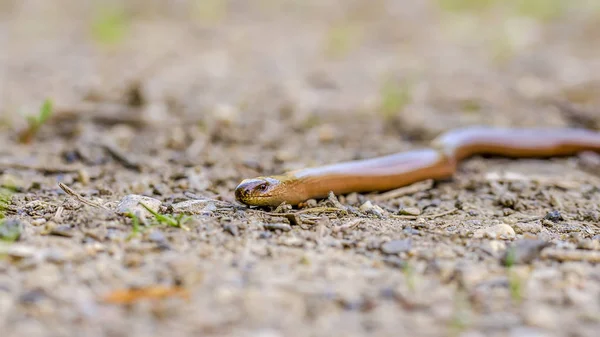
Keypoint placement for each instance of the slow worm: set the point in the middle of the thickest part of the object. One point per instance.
(437, 162)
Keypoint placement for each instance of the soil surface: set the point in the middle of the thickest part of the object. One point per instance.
(179, 101)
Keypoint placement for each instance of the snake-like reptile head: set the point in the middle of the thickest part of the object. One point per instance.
(266, 191)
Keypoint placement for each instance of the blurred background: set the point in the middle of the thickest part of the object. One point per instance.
(271, 66)
(166, 98)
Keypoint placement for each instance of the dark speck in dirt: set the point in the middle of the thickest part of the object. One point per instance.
(231, 229)
(554, 216)
(411, 231)
(265, 235)
(32, 296)
(523, 251)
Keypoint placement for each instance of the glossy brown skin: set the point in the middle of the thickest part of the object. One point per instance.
(401, 169)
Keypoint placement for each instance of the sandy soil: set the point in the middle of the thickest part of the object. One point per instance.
(179, 102)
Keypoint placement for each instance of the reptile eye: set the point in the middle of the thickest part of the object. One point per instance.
(262, 187)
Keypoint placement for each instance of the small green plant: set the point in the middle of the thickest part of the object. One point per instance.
(341, 39)
(543, 10)
(35, 122)
(515, 285)
(460, 319)
(465, 5)
(409, 274)
(135, 223)
(511, 257)
(173, 221)
(394, 97)
(109, 25)
(10, 230)
(5, 198)
(209, 11)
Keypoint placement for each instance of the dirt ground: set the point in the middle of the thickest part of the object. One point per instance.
(179, 101)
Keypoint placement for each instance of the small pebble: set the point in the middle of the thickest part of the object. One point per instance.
(411, 231)
(554, 216)
(83, 176)
(191, 207)
(32, 296)
(326, 133)
(62, 230)
(410, 211)
(278, 226)
(367, 206)
(523, 251)
(589, 160)
(528, 227)
(158, 237)
(396, 246)
(231, 229)
(508, 199)
(265, 235)
(500, 231)
(38, 222)
(130, 204)
(19, 251)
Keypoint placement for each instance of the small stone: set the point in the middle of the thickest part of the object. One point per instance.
(589, 160)
(38, 222)
(32, 296)
(326, 133)
(497, 246)
(226, 113)
(367, 206)
(310, 203)
(523, 251)
(278, 226)
(10, 230)
(56, 256)
(554, 216)
(411, 231)
(191, 207)
(62, 230)
(83, 176)
(231, 229)
(395, 261)
(508, 199)
(158, 237)
(527, 227)
(19, 251)
(265, 235)
(500, 231)
(410, 211)
(130, 204)
(588, 244)
(396, 246)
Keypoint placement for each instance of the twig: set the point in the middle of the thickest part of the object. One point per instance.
(58, 215)
(308, 210)
(571, 255)
(121, 156)
(406, 190)
(430, 216)
(80, 198)
(41, 168)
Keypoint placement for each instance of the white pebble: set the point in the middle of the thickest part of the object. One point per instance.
(501, 231)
